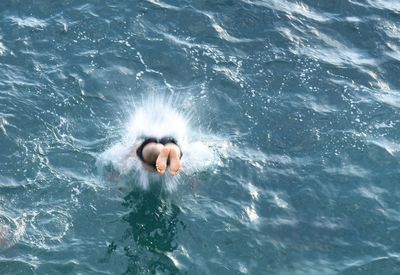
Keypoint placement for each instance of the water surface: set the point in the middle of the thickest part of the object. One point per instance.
(299, 101)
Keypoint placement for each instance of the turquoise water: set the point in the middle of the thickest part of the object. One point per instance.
(291, 133)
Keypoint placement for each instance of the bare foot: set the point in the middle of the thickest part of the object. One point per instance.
(174, 161)
(161, 163)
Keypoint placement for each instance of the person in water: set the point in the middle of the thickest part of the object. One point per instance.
(157, 154)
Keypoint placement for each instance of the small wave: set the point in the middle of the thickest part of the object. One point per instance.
(47, 226)
(30, 22)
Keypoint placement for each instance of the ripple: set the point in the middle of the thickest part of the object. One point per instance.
(48, 227)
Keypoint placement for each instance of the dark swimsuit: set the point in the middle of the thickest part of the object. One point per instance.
(163, 141)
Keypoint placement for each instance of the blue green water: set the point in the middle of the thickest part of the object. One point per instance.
(297, 101)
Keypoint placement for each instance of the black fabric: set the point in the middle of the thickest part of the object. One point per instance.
(166, 140)
(163, 141)
(139, 151)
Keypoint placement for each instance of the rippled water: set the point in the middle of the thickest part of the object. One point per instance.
(298, 100)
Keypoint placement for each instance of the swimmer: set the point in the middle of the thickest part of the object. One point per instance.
(157, 154)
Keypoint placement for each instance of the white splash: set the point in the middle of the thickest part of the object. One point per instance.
(157, 117)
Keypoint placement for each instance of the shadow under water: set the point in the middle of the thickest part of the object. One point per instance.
(154, 226)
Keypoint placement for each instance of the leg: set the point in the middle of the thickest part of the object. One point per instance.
(174, 161)
(162, 159)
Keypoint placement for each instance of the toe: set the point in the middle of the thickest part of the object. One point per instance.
(174, 161)
(161, 163)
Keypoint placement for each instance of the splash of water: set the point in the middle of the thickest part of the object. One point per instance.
(158, 117)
